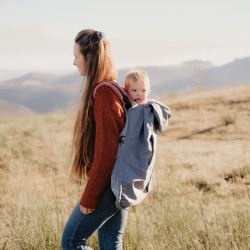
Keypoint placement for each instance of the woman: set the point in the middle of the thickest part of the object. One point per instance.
(95, 142)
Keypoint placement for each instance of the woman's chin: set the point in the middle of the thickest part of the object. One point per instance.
(82, 74)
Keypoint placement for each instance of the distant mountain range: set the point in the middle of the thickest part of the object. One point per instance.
(43, 93)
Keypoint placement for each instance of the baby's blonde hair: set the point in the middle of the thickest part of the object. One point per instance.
(135, 76)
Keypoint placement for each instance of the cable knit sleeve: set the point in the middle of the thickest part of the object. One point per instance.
(109, 121)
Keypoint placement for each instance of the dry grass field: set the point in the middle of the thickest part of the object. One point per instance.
(201, 195)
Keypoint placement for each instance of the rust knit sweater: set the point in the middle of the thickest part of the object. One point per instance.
(109, 121)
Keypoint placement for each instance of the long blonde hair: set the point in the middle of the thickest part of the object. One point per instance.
(99, 67)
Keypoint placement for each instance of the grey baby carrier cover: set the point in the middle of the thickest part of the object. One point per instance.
(131, 177)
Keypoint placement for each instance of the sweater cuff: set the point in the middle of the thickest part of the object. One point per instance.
(88, 203)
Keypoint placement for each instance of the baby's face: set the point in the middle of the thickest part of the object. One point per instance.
(138, 91)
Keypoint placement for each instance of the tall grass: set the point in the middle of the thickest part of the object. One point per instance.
(35, 221)
(37, 197)
(163, 221)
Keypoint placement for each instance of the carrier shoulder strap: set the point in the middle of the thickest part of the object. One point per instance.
(123, 96)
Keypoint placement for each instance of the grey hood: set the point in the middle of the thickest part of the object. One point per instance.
(161, 114)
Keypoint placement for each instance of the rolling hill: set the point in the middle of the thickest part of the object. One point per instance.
(11, 109)
(43, 93)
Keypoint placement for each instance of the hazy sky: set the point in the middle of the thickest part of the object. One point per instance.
(38, 35)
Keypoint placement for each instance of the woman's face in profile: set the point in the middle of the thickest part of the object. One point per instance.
(79, 60)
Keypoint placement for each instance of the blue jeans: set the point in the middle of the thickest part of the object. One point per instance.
(107, 219)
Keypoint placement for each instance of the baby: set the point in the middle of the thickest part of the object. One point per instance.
(137, 86)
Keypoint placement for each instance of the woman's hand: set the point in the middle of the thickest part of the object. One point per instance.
(86, 210)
